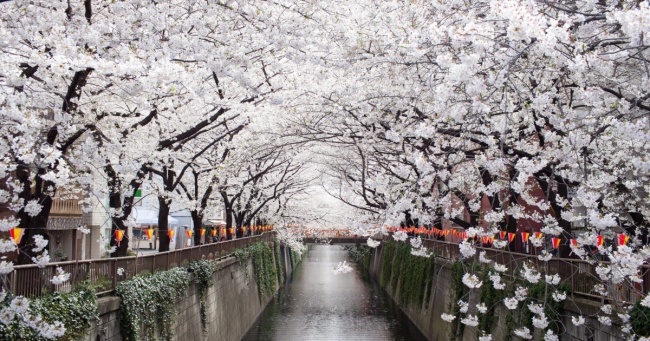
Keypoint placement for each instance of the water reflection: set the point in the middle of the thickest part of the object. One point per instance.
(319, 305)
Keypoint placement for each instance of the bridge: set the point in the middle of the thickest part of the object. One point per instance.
(349, 240)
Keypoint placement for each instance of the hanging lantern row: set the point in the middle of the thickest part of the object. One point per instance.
(622, 239)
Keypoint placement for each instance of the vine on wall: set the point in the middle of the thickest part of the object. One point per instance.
(76, 311)
(640, 319)
(409, 276)
(540, 293)
(296, 257)
(279, 265)
(459, 291)
(491, 298)
(150, 301)
(203, 271)
(361, 255)
(387, 263)
(263, 266)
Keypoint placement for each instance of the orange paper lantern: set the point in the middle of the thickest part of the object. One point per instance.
(16, 234)
(119, 234)
(188, 233)
(511, 236)
(524, 237)
(170, 234)
(600, 240)
(202, 232)
(214, 232)
(149, 233)
(502, 235)
(539, 235)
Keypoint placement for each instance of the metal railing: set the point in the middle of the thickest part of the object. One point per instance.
(577, 274)
(32, 281)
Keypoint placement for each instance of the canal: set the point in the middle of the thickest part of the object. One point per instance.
(317, 304)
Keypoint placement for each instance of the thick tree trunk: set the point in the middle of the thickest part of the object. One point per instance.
(229, 222)
(562, 190)
(239, 222)
(163, 224)
(197, 221)
(511, 222)
(115, 202)
(36, 225)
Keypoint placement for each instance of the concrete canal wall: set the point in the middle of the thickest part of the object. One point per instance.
(426, 313)
(233, 304)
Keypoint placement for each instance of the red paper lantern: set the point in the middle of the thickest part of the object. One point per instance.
(623, 239)
(16, 234)
(556, 242)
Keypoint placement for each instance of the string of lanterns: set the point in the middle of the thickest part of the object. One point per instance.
(621, 238)
(16, 233)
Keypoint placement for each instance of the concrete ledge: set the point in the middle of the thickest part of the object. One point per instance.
(107, 305)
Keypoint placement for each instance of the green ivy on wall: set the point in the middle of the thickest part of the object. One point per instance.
(263, 266)
(539, 293)
(279, 265)
(409, 276)
(203, 271)
(459, 291)
(150, 301)
(640, 319)
(491, 297)
(361, 255)
(387, 262)
(296, 257)
(76, 310)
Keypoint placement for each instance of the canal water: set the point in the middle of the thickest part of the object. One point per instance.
(317, 304)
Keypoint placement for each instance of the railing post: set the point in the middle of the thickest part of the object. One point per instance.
(114, 273)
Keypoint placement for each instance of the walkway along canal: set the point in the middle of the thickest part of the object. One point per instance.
(317, 304)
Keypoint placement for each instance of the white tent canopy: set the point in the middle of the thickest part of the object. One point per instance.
(145, 216)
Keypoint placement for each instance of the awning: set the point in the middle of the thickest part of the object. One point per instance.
(150, 217)
(213, 222)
